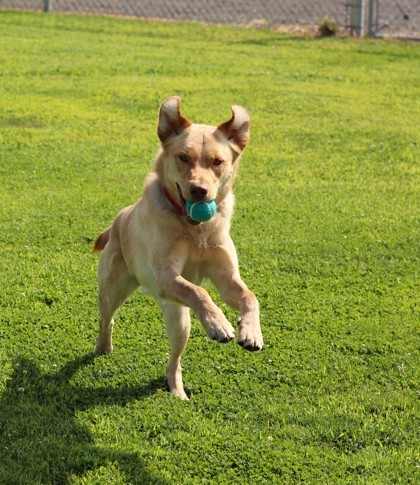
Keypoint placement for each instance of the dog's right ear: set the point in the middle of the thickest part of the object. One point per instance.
(171, 121)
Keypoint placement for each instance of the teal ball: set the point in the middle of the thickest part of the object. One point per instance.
(201, 211)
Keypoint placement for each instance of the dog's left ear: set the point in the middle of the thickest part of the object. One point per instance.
(171, 121)
(236, 129)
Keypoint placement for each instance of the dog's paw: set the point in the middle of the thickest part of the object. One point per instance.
(250, 336)
(103, 348)
(180, 393)
(218, 327)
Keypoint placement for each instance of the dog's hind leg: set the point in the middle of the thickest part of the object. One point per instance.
(178, 325)
(115, 285)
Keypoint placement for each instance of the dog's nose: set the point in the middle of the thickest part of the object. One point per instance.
(198, 191)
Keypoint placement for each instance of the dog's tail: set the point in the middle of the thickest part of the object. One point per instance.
(102, 240)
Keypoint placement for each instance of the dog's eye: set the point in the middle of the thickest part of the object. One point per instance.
(217, 161)
(183, 158)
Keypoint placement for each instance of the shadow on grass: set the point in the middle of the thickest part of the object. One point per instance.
(41, 440)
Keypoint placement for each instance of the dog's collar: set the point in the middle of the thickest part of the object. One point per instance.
(180, 208)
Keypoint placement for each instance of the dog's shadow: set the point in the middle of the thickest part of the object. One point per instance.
(41, 440)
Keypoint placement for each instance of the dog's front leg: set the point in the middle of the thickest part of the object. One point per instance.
(224, 272)
(240, 298)
(174, 287)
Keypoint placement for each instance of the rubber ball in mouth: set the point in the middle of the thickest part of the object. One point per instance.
(201, 211)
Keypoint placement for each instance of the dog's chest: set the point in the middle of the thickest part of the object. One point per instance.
(195, 266)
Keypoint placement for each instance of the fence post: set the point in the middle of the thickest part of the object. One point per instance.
(48, 5)
(358, 17)
(373, 17)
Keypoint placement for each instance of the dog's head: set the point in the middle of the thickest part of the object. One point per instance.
(199, 162)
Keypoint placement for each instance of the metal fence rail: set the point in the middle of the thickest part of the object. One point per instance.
(380, 17)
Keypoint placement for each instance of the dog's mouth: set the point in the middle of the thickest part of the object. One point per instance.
(181, 197)
(183, 205)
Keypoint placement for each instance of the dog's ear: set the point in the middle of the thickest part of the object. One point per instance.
(236, 129)
(171, 121)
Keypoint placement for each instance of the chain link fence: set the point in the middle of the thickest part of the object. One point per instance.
(398, 18)
(379, 17)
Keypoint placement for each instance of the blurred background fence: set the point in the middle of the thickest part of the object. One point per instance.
(400, 18)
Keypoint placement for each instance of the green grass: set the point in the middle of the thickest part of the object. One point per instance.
(325, 227)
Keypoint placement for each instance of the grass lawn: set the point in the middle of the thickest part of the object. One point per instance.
(325, 227)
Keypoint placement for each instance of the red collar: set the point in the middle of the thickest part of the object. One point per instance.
(180, 209)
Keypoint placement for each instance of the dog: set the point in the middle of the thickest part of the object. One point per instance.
(156, 245)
